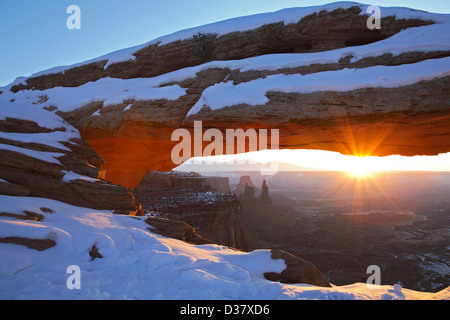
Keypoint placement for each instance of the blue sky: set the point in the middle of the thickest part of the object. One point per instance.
(34, 36)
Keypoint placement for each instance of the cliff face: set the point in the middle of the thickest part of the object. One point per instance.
(157, 183)
(188, 197)
(219, 184)
(319, 75)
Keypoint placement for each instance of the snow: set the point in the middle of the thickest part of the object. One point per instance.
(254, 92)
(51, 157)
(138, 264)
(53, 139)
(109, 90)
(70, 176)
(25, 111)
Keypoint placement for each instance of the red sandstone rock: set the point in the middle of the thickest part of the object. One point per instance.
(176, 229)
(297, 271)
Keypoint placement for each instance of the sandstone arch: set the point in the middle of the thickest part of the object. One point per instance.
(133, 136)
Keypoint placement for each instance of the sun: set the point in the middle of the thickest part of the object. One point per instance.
(361, 168)
(360, 173)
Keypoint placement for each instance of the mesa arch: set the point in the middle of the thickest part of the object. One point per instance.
(409, 117)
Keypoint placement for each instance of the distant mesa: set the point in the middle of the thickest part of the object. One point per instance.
(246, 191)
(241, 186)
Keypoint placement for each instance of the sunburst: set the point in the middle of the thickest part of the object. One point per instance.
(361, 168)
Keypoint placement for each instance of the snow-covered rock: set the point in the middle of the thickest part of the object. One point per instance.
(43, 156)
(139, 264)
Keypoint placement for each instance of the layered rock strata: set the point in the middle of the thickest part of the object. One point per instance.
(318, 31)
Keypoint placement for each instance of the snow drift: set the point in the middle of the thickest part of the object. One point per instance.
(138, 264)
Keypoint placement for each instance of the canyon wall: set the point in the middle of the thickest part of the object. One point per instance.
(188, 197)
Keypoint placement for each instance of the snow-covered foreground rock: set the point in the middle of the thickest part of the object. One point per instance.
(43, 156)
(139, 264)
